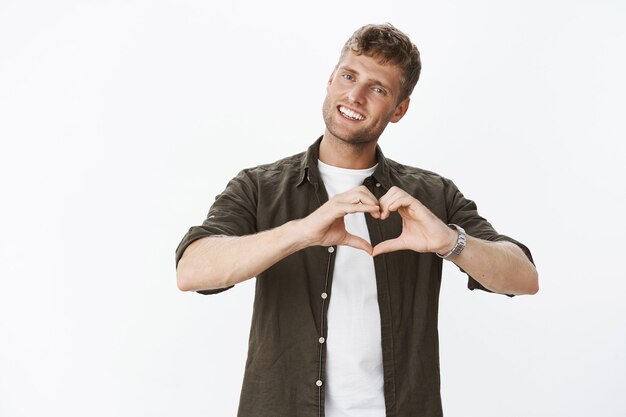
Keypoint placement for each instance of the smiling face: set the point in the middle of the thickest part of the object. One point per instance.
(362, 98)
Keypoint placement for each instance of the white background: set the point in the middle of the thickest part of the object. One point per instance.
(121, 120)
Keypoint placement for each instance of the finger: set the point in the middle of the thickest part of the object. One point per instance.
(358, 243)
(347, 208)
(366, 197)
(394, 203)
(390, 245)
(390, 196)
(365, 191)
(391, 192)
(358, 194)
(401, 201)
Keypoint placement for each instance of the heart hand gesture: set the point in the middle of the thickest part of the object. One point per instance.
(422, 231)
(326, 227)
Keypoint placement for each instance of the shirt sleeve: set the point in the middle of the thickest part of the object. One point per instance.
(464, 212)
(232, 214)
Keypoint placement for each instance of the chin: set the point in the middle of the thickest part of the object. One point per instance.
(351, 135)
(345, 134)
(351, 138)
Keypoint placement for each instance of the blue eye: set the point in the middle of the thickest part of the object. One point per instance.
(348, 77)
(379, 90)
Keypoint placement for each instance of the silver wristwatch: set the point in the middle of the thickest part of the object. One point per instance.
(460, 242)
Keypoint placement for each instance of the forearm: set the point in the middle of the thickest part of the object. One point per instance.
(501, 267)
(220, 261)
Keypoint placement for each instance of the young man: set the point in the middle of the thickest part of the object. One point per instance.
(347, 248)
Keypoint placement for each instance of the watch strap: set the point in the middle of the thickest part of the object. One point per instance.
(460, 243)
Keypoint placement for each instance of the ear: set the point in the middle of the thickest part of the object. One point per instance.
(400, 110)
(332, 76)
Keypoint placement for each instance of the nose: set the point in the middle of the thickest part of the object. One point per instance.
(356, 94)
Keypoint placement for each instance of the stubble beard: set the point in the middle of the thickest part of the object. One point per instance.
(359, 138)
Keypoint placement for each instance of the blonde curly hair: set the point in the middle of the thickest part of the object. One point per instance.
(388, 45)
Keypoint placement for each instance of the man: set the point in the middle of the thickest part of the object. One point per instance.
(347, 248)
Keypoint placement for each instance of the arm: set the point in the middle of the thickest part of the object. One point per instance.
(498, 266)
(220, 261)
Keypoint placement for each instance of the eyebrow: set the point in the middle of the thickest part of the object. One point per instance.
(371, 80)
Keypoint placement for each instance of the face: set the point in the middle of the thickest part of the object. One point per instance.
(361, 98)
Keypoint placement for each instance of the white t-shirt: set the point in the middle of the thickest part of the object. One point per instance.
(354, 364)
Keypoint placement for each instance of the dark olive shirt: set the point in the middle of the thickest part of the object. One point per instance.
(285, 370)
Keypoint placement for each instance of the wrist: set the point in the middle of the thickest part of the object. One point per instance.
(452, 235)
(296, 231)
(459, 241)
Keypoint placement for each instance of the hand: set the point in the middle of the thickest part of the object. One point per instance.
(325, 226)
(422, 231)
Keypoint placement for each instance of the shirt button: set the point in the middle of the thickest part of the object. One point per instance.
(324, 295)
(322, 340)
(331, 249)
(319, 382)
(378, 184)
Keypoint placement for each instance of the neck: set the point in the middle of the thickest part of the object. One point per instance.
(343, 154)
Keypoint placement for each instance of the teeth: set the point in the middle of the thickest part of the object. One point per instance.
(351, 114)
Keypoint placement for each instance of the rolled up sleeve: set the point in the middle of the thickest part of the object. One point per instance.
(464, 212)
(232, 214)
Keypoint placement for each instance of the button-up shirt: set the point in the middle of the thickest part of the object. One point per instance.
(285, 370)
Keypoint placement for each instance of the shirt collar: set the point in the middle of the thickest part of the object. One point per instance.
(310, 172)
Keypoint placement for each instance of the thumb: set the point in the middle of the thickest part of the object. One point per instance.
(358, 243)
(390, 245)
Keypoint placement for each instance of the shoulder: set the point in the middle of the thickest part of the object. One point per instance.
(407, 175)
(286, 169)
(438, 193)
(403, 169)
(293, 162)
